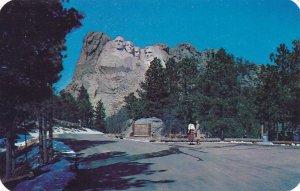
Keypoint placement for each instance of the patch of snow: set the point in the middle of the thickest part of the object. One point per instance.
(22, 138)
(2, 141)
(265, 143)
(61, 147)
(241, 142)
(68, 152)
(57, 178)
(223, 142)
(56, 130)
(34, 134)
(137, 139)
(62, 130)
(31, 156)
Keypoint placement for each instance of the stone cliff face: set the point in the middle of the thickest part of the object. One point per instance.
(111, 69)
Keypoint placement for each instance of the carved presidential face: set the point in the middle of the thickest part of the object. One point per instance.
(129, 47)
(149, 54)
(119, 43)
(137, 52)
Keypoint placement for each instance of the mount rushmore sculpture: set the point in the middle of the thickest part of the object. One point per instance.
(110, 69)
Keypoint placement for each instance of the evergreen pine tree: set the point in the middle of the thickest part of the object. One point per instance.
(134, 106)
(153, 90)
(85, 108)
(267, 97)
(246, 108)
(38, 39)
(66, 107)
(278, 92)
(99, 123)
(186, 88)
(221, 89)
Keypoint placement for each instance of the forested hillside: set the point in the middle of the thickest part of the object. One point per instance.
(231, 97)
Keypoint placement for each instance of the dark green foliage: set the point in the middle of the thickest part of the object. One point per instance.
(34, 31)
(221, 88)
(66, 107)
(99, 123)
(32, 36)
(186, 88)
(172, 76)
(248, 78)
(118, 122)
(85, 108)
(154, 92)
(230, 97)
(278, 91)
(185, 95)
(134, 106)
(268, 94)
(181, 78)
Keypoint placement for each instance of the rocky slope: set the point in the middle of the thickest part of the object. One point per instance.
(111, 69)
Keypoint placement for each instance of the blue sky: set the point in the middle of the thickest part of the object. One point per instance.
(251, 29)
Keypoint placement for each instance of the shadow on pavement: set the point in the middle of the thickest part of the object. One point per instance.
(115, 170)
(114, 176)
(78, 145)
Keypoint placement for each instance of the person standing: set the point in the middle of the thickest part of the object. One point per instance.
(191, 133)
(198, 132)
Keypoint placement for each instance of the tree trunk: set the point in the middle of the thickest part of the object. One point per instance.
(10, 127)
(277, 131)
(40, 116)
(262, 131)
(13, 159)
(9, 145)
(222, 134)
(45, 153)
(13, 153)
(283, 130)
(50, 137)
(26, 155)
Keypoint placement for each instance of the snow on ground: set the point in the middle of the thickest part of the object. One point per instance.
(138, 139)
(56, 176)
(62, 130)
(62, 148)
(56, 131)
(32, 154)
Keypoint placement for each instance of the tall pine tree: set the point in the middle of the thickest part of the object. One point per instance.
(221, 89)
(99, 123)
(85, 108)
(32, 35)
(278, 92)
(153, 89)
(134, 106)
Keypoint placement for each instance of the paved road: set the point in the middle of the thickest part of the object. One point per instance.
(114, 164)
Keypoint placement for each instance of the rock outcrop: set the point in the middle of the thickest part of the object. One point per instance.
(111, 69)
